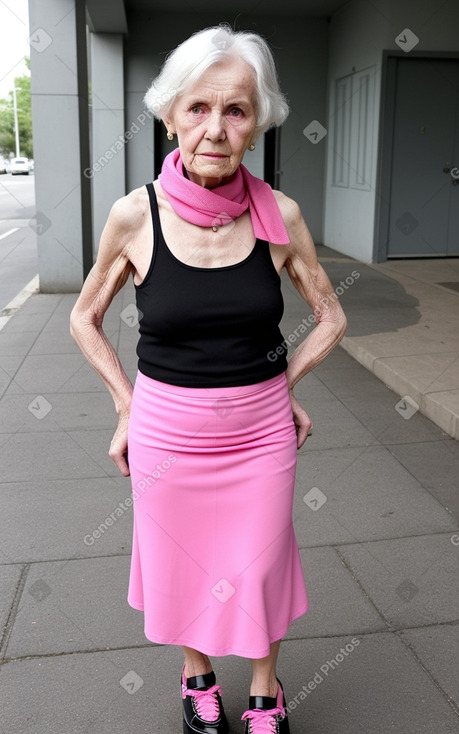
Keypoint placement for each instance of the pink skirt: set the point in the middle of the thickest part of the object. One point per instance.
(215, 563)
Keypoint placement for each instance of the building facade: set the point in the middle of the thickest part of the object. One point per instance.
(370, 150)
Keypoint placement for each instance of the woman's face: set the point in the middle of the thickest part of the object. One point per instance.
(215, 122)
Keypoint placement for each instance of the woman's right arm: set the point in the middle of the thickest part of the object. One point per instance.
(108, 275)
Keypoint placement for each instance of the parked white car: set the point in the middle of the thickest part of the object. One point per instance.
(20, 165)
(4, 165)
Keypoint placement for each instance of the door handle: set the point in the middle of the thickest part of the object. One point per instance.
(447, 168)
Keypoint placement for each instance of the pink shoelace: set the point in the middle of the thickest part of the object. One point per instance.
(206, 701)
(262, 721)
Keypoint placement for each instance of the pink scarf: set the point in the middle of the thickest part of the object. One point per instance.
(217, 207)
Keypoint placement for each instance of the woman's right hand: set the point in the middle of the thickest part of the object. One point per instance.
(120, 243)
(119, 445)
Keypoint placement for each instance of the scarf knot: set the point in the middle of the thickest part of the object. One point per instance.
(219, 206)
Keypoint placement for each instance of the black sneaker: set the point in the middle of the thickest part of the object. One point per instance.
(267, 715)
(202, 705)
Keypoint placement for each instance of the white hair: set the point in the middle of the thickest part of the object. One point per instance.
(188, 62)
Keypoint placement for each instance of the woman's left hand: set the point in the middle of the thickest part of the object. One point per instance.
(303, 423)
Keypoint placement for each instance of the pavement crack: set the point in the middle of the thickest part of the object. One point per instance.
(411, 649)
(88, 651)
(5, 635)
(390, 627)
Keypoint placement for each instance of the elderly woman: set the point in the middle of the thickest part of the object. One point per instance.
(210, 431)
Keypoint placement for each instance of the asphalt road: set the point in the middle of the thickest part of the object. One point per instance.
(18, 241)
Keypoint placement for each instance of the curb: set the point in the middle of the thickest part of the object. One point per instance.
(436, 406)
(15, 304)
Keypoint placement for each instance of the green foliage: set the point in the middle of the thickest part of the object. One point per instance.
(24, 105)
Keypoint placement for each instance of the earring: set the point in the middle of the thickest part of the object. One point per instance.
(252, 146)
(170, 136)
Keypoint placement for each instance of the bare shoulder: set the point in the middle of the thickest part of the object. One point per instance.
(128, 213)
(124, 226)
(301, 243)
(291, 212)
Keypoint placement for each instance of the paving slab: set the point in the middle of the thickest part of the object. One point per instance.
(96, 444)
(311, 386)
(45, 372)
(45, 455)
(363, 692)
(360, 691)
(386, 345)
(362, 494)
(438, 650)
(75, 605)
(420, 374)
(376, 407)
(65, 304)
(82, 693)
(419, 353)
(434, 409)
(411, 581)
(56, 519)
(19, 255)
(338, 360)
(28, 413)
(373, 553)
(83, 379)
(375, 302)
(5, 380)
(10, 363)
(58, 341)
(334, 424)
(16, 343)
(32, 321)
(4, 438)
(9, 579)
(41, 303)
(434, 464)
(327, 580)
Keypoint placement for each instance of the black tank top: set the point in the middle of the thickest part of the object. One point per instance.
(209, 327)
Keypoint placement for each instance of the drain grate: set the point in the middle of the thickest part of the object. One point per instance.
(453, 286)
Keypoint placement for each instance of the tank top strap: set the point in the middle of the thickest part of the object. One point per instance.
(154, 213)
(260, 249)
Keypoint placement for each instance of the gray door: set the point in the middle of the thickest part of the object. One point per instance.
(424, 199)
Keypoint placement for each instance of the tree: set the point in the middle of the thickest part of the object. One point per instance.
(24, 105)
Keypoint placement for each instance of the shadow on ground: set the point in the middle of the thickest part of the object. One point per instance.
(373, 303)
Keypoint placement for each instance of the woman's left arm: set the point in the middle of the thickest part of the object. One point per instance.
(311, 281)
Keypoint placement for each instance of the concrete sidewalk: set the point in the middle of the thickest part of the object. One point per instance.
(404, 327)
(376, 516)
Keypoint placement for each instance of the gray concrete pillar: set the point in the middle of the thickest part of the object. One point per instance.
(140, 149)
(109, 137)
(61, 142)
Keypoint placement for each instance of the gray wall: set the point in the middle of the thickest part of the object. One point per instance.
(300, 48)
(358, 34)
(61, 142)
(108, 160)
